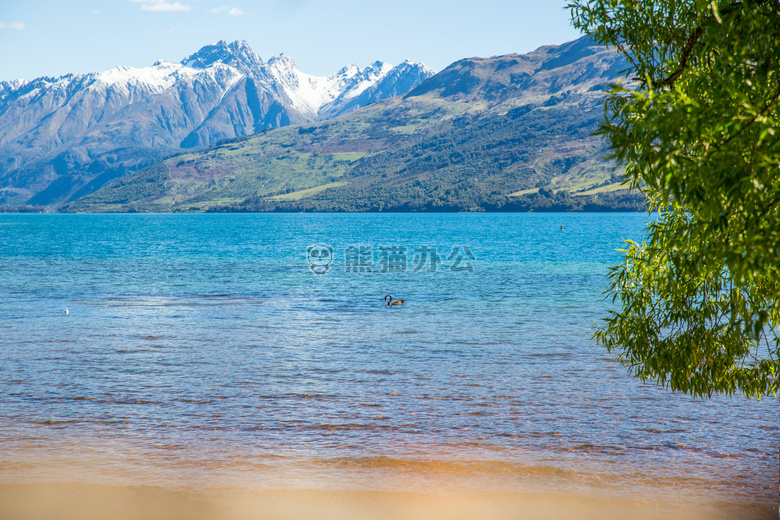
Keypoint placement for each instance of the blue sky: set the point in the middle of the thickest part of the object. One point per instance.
(52, 37)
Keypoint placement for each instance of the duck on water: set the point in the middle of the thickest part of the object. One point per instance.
(391, 301)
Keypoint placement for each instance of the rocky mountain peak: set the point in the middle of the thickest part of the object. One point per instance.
(237, 54)
(10, 86)
(281, 61)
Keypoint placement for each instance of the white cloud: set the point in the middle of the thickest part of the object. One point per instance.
(232, 11)
(161, 5)
(13, 25)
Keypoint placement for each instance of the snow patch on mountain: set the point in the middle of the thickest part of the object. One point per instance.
(425, 69)
(308, 93)
(237, 54)
(159, 77)
(226, 65)
(10, 86)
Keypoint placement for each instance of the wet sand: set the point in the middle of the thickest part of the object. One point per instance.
(83, 501)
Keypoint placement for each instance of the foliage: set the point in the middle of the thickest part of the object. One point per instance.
(130, 189)
(25, 208)
(699, 135)
(460, 163)
(689, 326)
(401, 201)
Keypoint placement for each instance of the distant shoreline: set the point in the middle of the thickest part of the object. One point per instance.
(552, 209)
(323, 212)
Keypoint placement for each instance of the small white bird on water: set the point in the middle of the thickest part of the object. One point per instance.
(67, 311)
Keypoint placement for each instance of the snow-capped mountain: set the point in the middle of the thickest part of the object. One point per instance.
(61, 138)
(309, 94)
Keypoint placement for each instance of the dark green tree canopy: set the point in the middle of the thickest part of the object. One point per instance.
(698, 130)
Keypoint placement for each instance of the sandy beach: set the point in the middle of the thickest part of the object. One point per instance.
(90, 501)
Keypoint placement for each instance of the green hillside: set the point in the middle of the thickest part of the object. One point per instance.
(503, 133)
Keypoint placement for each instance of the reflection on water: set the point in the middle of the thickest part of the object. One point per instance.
(200, 350)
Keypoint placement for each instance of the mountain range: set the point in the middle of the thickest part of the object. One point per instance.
(505, 133)
(63, 138)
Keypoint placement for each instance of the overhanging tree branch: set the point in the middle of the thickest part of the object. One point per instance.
(668, 81)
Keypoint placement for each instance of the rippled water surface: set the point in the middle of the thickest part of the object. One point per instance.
(202, 348)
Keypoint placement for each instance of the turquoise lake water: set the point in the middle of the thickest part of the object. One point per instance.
(206, 349)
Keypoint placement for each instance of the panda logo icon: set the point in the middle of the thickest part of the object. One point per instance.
(320, 257)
